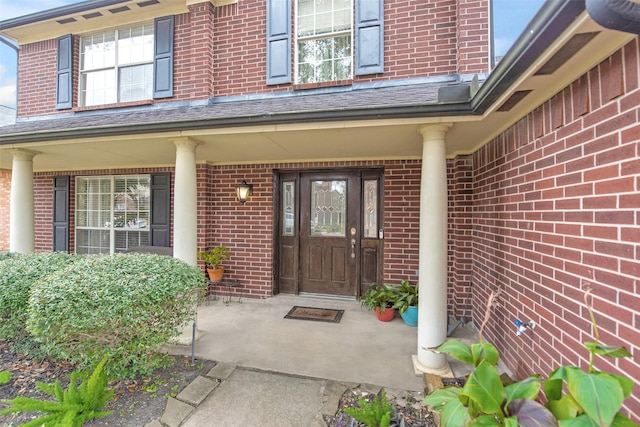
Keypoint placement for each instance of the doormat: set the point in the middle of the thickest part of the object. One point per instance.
(313, 313)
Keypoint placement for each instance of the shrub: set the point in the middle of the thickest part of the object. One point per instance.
(18, 273)
(124, 306)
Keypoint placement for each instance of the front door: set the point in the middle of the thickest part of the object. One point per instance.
(329, 236)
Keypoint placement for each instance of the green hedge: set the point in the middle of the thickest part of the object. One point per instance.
(18, 273)
(124, 306)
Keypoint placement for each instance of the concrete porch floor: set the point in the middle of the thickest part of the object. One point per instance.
(360, 349)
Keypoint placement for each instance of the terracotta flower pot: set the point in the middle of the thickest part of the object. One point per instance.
(387, 315)
(215, 275)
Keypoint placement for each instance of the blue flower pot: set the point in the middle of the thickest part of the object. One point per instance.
(410, 316)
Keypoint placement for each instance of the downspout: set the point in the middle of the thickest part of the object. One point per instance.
(621, 15)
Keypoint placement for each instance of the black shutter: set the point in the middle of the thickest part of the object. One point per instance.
(64, 72)
(278, 42)
(161, 209)
(163, 57)
(61, 213)
(369, 35)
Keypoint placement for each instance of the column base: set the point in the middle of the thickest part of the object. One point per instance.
(420, 369)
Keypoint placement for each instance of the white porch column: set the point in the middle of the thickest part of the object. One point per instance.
(432, 308)
(185, 217)
(21, 216)
(185, 202)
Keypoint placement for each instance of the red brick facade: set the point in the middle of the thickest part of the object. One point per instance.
(221, 51)
(556, 208)
(543, 211)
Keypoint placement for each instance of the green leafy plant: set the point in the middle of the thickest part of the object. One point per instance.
(375, 413)
(5, 377)
(214, 256)
(378, 296)
(123, 306)
(18, 273)
(592, 398)
(73, 407)
(406, 296)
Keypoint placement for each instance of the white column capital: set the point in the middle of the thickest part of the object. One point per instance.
(434, 131)
(185, 143)
(23, 154)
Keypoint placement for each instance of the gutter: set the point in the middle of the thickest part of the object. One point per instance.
(546, 26)
(431, 110)
(620, 15)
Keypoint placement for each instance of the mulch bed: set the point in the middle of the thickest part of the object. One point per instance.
(140, 400)
(136, 401)
(408, 407)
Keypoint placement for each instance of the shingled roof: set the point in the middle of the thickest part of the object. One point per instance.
(347, 103)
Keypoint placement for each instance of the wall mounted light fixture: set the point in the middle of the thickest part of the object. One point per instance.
(244, 191)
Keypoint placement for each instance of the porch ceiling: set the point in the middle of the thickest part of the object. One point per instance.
(281, 143)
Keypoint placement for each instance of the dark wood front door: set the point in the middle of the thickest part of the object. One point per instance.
(329, 237)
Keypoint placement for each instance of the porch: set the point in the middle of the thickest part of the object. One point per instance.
(360, 349)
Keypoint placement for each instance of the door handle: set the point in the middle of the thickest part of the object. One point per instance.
(353, 248)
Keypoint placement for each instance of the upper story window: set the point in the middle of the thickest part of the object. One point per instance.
(117, 65)
(324, 40)
(335, 40)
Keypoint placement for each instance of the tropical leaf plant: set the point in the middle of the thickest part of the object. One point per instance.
(574, 398)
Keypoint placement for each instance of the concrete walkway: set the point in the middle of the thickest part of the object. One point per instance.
(281, 372)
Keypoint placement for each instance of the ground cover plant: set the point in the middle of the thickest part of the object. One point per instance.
(72, 407)
(573, 397)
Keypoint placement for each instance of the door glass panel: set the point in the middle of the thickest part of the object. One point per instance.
(371, 208)
(288, 208)
(328, 208)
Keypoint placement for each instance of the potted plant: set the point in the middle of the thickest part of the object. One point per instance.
(381, 299)
(212, 260)
(407, 302)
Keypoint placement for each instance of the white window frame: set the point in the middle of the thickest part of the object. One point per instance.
(331, 35)
(109, 224)
(117, 67)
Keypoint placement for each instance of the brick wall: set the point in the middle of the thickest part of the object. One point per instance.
(193, 54)
(247, 229)
(222, 51)
(460, 232)
(472, 35)
(37, 79)
(5, 196)
(557, 209)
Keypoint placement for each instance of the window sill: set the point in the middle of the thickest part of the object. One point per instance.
(109, 106)
(334, 83)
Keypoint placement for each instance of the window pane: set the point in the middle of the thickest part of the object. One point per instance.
(328, 208)
(97, 51)
(136, 83)
(371, 208)
(288, 208)
(132, 202)
(99, 87)
(135, 45)
(324, 59)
